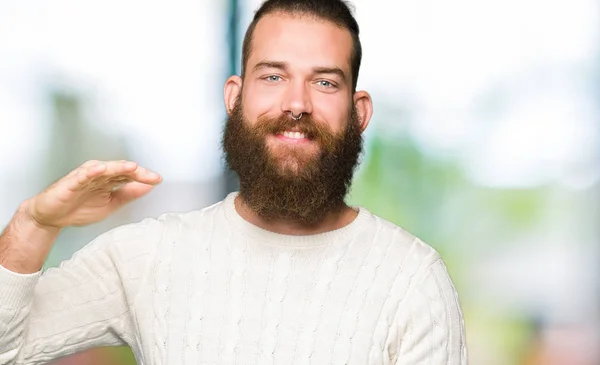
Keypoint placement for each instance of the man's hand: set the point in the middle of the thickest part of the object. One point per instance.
(90, 193)
(86, 195)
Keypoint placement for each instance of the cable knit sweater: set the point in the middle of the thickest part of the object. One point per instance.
(207, 287)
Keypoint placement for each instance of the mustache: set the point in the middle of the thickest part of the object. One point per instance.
(311, 128)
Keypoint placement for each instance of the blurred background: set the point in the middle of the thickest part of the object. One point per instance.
(485, 141)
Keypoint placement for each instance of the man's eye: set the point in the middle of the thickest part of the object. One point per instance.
(273, 78)
(325, 83)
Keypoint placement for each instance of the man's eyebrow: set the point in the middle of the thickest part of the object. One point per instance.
(284, 66)
(330, 70)
(270, 64)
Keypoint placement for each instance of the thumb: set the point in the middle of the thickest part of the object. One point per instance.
(130, 192)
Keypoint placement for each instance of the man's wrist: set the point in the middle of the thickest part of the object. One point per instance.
(25, 244)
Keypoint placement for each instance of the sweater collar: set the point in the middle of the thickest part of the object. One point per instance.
(320, 239)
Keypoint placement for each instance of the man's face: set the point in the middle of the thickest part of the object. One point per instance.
(298, 65)
(289, 169)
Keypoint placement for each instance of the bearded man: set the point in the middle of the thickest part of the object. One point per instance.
(281, 272)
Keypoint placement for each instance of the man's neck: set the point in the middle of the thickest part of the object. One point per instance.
(331, 222)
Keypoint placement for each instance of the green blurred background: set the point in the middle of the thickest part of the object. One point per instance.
(484, 141)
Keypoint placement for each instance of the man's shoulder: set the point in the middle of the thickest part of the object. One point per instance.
(192, 217)
(177, 223)
(402, 242)
(152, 231)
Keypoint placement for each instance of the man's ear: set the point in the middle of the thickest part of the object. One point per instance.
(364, 108)
(231, 91)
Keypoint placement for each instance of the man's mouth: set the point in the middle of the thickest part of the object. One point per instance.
(292, 136)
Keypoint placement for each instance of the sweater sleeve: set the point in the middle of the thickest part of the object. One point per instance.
(431, 323)
(84, 303)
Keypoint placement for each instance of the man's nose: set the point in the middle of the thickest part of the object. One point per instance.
(297, 99)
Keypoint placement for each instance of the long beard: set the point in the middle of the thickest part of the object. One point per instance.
(292, 183)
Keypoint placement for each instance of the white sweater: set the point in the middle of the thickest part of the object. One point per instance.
(207, 287)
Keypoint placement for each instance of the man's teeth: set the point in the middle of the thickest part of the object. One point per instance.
(294, 135)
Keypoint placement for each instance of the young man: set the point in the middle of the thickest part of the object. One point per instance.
(282, 272)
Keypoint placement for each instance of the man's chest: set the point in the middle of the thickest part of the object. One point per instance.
(275, 309)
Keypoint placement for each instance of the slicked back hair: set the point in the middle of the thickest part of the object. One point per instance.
(337, 12)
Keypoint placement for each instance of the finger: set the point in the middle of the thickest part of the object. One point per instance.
(129, 192)
(90, 163)
(116, 168)
(82, 167)
(86, 174)
(132, 171)
(110, 175)
(146, 176)
(79, 177)
(99, 173)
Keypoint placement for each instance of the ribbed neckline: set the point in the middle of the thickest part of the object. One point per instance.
(313, 240)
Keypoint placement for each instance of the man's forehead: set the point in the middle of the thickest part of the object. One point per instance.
(301, 40)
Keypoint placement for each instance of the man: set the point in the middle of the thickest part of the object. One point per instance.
(283, 272)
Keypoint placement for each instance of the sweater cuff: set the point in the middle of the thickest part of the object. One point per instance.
(16, 290)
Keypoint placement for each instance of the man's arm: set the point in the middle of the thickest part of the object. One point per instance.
(431, 326)
(82, 304)
(87, 302)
